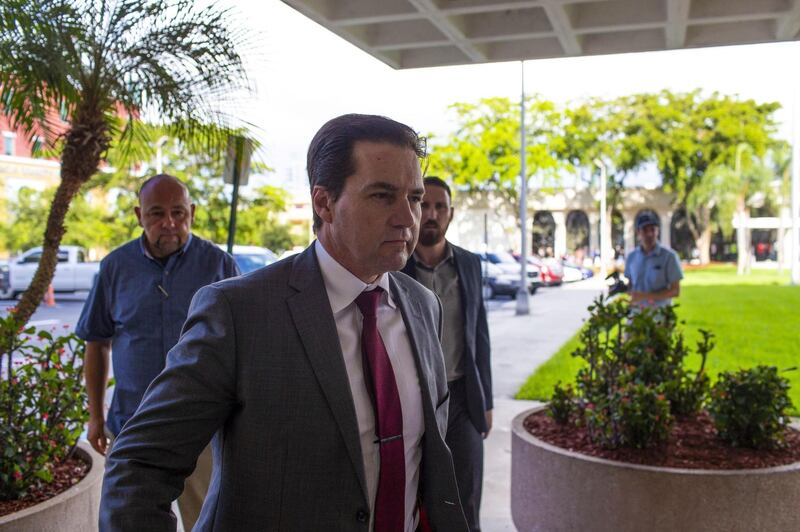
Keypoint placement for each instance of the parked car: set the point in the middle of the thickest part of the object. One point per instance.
(573, 272)
(551, 273)
(498, 282)
(507, 263)
(250, 258)
(73, 271)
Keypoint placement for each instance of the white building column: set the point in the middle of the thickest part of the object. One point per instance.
(629, 231)
(560, 236)
(665, 230)
(594, 232)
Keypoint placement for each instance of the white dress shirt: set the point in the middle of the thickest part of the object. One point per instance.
(343, 287)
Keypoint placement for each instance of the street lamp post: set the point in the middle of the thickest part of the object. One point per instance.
(603, 218)
(523, 303)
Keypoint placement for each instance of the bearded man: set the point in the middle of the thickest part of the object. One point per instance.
(454, 274)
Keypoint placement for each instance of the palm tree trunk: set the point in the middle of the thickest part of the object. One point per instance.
(85, 142)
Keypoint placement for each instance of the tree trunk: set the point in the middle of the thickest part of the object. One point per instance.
(700, 228)
(85, 143)
(704, 245)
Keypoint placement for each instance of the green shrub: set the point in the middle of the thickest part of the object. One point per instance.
(42, 405)
(562, 404)
(749, 407)
(635, 379)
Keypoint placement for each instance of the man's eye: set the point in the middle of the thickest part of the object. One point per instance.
(417, 199)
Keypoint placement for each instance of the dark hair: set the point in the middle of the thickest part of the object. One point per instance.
(439, 182)
(159, 177)
(330, 154)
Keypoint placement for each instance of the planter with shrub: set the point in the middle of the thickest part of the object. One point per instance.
(46, 480)
(640, 442)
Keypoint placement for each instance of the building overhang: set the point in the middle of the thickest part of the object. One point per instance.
(427, 33)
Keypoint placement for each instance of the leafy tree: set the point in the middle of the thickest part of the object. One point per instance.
(482, 156)
(689, 136)
(96, 60)
(89, 225)
(600, 129)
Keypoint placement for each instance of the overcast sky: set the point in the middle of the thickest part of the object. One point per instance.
(305, 75)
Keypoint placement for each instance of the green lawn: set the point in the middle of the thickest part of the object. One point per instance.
(756, 319)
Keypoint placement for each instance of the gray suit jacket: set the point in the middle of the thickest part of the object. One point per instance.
(259, 367)
(477, 352)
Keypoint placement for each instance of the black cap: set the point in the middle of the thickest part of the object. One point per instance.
(646, 219)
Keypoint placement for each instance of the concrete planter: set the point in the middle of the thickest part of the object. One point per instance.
(75, 509)
(553, 489)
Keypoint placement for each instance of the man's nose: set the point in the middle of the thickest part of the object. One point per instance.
(405, 214)
(169, 221)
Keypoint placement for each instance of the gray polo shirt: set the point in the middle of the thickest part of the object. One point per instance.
(653, 272)
(443, 281)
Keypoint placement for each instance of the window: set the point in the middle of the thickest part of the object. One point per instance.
(81, 256)
(8, 143)
(63, 256)
(33, 258)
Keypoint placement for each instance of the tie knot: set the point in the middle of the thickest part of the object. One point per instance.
(368, 301)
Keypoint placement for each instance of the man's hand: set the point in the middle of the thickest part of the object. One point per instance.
(95, 371)
(637, 296)
(97, 435)
(488, 424)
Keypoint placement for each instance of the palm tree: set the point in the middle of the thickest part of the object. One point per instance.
(99, 64)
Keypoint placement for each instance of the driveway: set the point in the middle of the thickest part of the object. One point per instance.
(519, 345)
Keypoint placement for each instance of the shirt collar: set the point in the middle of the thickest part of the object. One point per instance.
(146, 253)
(448, 257)
(654, 253)
(342, 286)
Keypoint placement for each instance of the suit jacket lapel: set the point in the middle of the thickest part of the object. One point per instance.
(412, 318)
(312, 316)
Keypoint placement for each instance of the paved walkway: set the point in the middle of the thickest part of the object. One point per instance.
(519, 345)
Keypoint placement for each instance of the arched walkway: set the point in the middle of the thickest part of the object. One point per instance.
(617, 233)
(578, 233)
(543, 234)
(681, 239)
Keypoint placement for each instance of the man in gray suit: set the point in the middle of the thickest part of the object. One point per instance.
(320, 377)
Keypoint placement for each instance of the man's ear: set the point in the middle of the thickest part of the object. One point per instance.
(322, 203)
(452, 211)
(138, 212)
(191, 209)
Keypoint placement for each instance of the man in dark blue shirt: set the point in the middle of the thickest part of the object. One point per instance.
(137, 307)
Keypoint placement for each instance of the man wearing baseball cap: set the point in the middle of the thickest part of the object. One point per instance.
(654, 271)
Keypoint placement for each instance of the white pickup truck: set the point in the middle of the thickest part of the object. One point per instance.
(73, 272)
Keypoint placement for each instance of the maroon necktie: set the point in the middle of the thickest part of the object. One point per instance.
(390, 500)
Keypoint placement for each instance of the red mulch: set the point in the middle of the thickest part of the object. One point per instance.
(692, 444)
(65, 475)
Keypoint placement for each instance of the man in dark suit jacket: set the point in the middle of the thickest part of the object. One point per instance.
(289, 369)
(454, 274)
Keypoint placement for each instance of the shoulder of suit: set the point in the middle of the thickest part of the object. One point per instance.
(275, 274)
(412, 286)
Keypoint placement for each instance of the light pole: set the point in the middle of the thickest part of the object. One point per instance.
(523, 304)
(603, 218)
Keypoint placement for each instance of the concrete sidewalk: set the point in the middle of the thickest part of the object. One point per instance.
(519, 345)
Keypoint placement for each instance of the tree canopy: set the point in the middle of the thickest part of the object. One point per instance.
(693, 139)
(79, 69)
